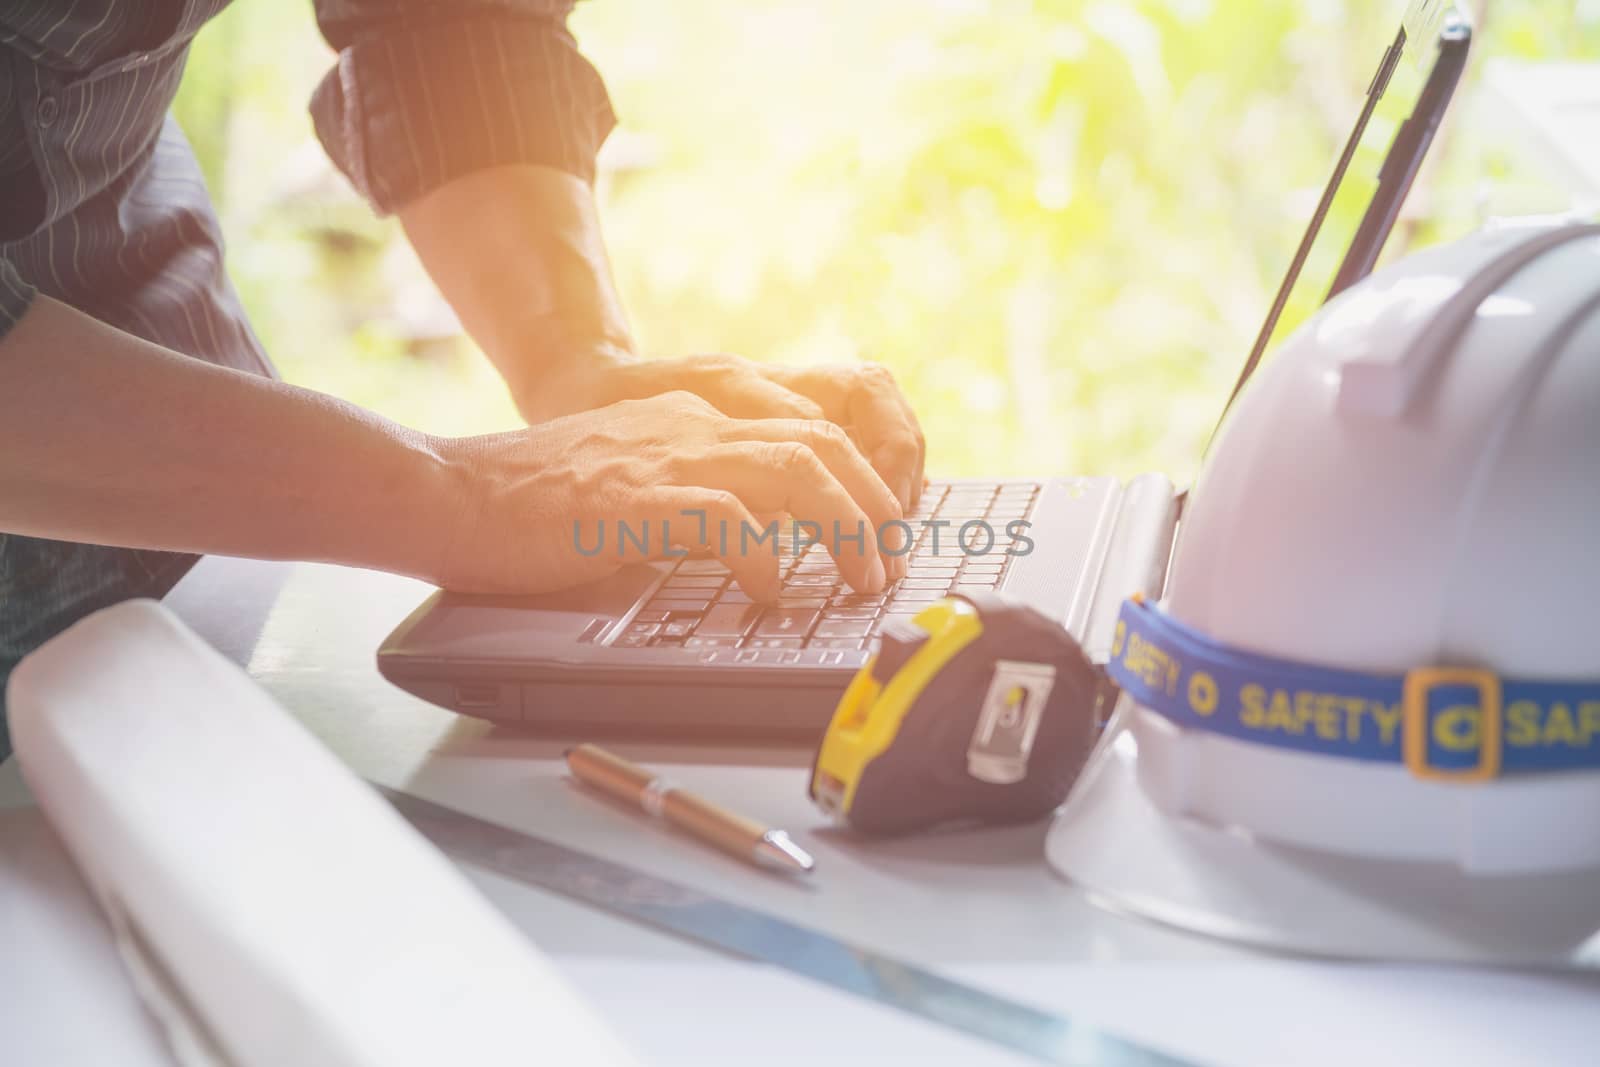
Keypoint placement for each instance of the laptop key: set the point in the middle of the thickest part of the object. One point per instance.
(942, 582)
(679, 604)
(801, 603)
(842, 628)
(727, 620)
(693, 581)
(701, 566)
(678, 628)
(852, 643)
(849, 613)
(815, 575)
(650, 616)
(774, 642)
(731, 595)
(710, 642)
(925, 595)
(808, 581)
(787, 622)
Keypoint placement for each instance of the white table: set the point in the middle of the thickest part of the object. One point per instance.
(981, 906)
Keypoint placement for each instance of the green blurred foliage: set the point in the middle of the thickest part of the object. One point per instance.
(1059, 222)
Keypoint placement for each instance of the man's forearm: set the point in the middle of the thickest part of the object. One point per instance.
(109, 439)
(518, 252)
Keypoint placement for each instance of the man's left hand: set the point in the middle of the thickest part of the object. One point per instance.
(862, 398)
(517, 251)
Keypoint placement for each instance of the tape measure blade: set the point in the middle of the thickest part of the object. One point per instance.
(757, 936)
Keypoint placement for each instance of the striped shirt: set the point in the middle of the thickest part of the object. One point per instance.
(102, 205)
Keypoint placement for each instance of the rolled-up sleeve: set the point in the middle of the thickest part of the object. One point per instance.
(15, 296)
(425, 91)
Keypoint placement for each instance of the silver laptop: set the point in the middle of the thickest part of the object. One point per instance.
(674, 648)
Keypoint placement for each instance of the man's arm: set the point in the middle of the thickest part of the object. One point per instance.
(107, 438)
(478, 124)
(427, 96)
(517, 252)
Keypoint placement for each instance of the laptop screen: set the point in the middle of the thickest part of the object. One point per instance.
(1451, 36)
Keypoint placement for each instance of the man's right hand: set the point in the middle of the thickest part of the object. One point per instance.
(534, 503)
(108, 439)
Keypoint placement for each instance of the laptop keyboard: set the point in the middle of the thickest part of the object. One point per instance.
(699, 607)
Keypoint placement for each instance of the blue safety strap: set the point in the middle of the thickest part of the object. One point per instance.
(1452, 723)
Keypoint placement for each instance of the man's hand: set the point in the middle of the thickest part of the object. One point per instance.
(863, 399)
(517, 251)
(108, 439)
(542, 505)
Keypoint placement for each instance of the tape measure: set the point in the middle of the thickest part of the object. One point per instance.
(973, 710)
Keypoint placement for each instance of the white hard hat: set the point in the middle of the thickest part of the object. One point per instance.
(1365, 718)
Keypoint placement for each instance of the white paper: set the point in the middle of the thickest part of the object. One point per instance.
(271, 904)
(64, 999)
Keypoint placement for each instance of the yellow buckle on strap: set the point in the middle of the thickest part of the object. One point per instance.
(1414, 741)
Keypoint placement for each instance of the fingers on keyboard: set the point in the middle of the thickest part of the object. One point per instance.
(702, 606)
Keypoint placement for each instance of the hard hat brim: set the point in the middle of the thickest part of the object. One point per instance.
(1111, 841)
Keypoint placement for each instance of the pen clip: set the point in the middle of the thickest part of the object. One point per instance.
(653, 797)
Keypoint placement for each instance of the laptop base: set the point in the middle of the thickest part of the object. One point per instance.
(581, 661)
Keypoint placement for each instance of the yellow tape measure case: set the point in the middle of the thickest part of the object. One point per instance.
(975, 709)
